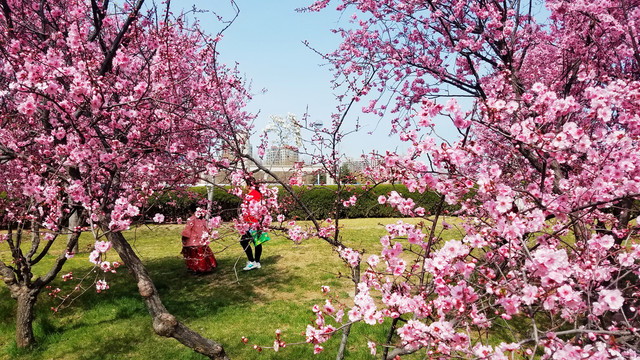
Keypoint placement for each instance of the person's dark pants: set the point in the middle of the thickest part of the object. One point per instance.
(245, 242)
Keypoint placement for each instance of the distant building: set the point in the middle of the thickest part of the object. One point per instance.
(311, 175)
(355, 165)
(279, 155)
(373, 162)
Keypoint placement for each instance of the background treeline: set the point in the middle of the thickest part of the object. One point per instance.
(319, 200)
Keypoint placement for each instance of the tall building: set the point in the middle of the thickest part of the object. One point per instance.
(279, 155)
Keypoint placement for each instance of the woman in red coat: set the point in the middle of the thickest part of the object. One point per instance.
(195, 244)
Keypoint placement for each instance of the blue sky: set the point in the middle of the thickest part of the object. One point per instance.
(266, 41)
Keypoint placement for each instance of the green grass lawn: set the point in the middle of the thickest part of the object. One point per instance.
(221, 306)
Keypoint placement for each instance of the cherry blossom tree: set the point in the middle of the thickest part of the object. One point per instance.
(103, 104)
(549, 123)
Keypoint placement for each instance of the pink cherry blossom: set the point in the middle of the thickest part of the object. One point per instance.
(613, 298)
(503, 203)
(102, 246)
(94, 256)
(158, 218)
(101, 285)
(372, 347)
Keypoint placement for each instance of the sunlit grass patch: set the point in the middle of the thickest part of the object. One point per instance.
(224, 305)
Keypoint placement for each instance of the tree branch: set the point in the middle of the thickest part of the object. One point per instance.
(7, 15)
(108, 61)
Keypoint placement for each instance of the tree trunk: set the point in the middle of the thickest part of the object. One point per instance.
(74, 221)
(355, 277)
(343, 342)
(25, 291)
(24, 319)
(392, 330)
(210, 190)
(164, 324)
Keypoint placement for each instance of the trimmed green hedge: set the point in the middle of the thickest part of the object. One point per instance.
(176, 204)
(319, 200)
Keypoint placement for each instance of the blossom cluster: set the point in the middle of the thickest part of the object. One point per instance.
(544, 177)
(256, 215)
(94, 127)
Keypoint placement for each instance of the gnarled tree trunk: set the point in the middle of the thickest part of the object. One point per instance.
(164, 324)
(24, 317)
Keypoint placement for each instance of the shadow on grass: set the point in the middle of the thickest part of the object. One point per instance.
(186, 296)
